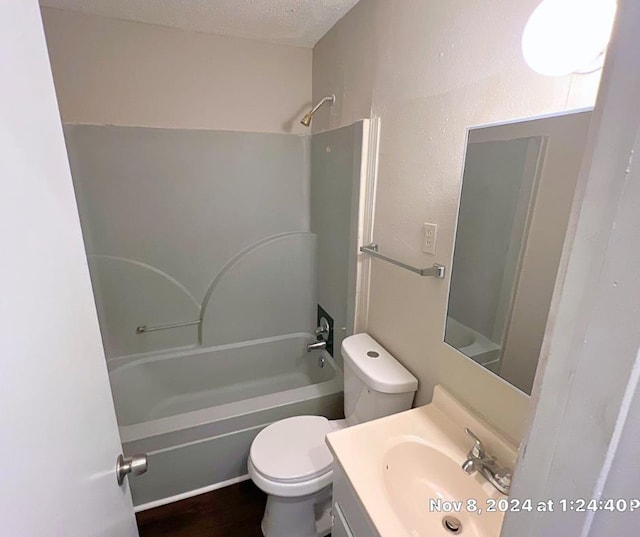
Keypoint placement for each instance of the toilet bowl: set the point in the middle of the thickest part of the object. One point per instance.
(289, 459)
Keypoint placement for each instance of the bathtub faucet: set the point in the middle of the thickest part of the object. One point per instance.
(316, 346)
(323, 333)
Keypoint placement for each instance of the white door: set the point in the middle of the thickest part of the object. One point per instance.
(58, 433)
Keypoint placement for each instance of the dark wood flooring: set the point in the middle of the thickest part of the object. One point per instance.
(234, 511)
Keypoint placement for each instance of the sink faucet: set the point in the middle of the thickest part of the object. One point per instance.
(478, 461)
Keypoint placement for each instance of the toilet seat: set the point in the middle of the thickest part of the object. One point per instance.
(290, 457)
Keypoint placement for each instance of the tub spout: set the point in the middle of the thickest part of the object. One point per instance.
(316, 346)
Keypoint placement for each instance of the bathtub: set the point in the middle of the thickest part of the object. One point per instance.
(196, 411)
(473, 344)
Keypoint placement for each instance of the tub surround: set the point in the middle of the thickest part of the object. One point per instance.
(361, 451)
(336, 185)
(240, 232)
(180, 225)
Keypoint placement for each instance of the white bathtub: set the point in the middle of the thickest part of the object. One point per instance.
(196, 411)
(473, 344)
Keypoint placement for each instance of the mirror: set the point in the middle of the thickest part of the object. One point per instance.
(518, 184)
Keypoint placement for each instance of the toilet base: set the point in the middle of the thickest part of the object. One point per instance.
(305, 516)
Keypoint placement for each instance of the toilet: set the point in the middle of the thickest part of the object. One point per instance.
(289, 459)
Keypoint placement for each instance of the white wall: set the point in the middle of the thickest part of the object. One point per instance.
(430, 70)
(114, 72)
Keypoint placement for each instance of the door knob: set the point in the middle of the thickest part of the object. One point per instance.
(136, 465)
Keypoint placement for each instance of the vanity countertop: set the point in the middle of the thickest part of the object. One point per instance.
(364, 452)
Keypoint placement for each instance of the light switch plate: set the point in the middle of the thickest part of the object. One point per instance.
(430, 237)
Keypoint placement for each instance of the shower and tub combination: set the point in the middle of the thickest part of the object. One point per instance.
(210, 252)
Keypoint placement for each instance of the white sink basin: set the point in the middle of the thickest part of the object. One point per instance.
(419, 480)
(397, 464)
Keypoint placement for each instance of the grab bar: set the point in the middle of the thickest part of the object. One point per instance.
(144, 328)
(436, 270)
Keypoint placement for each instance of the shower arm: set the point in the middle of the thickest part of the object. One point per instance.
(306, 120)
(330, 98)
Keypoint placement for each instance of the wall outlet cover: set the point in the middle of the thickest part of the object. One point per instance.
(430, 237)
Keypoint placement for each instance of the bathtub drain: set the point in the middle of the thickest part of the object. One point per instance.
(452, 525)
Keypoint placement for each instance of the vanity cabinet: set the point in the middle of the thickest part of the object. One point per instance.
(349, 516)
(340, 525)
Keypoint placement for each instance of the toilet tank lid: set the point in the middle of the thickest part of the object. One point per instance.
(371, 362)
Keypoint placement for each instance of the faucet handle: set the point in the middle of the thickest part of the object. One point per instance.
(323, 330)
(478, 449)
(504, 479)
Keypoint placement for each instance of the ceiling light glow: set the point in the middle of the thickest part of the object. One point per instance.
(567, 36)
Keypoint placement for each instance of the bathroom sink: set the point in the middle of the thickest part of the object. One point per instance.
(428, 491)
(401, 466)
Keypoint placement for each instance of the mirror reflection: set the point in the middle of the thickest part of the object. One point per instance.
(517, 188)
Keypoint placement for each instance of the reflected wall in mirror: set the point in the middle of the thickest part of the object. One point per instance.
(518, 184)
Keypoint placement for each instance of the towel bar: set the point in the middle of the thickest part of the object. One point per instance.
(436, 270)
(144, 328)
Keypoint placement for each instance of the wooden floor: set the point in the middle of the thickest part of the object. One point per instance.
(234, 511)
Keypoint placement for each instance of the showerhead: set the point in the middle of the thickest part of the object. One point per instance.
(306, 120)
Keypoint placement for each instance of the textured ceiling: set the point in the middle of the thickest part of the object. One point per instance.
(298, 23)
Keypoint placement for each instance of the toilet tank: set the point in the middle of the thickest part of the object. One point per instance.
(375, 383)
